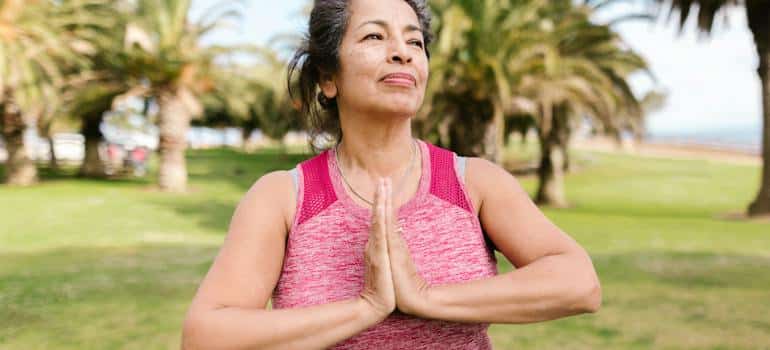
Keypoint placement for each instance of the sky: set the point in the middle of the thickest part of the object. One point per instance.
(711, 82)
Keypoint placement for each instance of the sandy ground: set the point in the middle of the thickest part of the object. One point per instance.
(674, 151)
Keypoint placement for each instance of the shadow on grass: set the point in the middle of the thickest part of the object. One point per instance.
(686, 270)
(217, 164)
(237, 167)
(661, 300)
(644, 210)
(679, 269)
(136, 296)
(109, 297)
(46, 174)
(217, 179)
(211, 169)
(211, 214)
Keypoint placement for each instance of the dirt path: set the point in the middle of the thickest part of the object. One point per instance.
(676, 151)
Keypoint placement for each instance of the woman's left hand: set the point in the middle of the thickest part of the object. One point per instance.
(411, 289)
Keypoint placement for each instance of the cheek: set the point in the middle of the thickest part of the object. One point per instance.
(359, 67)
(423, 71)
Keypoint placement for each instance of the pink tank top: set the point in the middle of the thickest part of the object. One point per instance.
(324, 260)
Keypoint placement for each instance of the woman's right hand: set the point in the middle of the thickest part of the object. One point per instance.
(379, 291)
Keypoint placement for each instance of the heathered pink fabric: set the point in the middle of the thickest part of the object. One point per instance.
(324, 259)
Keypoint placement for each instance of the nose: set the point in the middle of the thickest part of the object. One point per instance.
(399, 52)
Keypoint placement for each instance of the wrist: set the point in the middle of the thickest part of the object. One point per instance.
(427, 305)
(369, 312)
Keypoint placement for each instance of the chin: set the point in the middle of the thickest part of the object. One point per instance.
(401, 110)
(405, 106)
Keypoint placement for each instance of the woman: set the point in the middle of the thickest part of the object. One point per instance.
(354, 260)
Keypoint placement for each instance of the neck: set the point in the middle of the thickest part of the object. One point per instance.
(376, 147)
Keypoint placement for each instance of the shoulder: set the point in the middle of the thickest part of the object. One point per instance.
(485, 167)
(486, 178)
(274, 189)
(285, 179)
(273, 182)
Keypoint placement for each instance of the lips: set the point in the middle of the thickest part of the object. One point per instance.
(404, 79)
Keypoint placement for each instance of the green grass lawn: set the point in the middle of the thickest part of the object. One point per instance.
(97, 264)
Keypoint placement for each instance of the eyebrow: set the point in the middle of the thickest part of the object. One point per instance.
(381, 23)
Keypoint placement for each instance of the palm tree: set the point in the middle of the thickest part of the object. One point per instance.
(94, 91)
(758, 14)
(274, 109)
(35, 54)
(89, 106)
(247, 102)
(230, 103)
(470, 80)
(581, 70)
(179, 69)
(250, 97)
(543, 59)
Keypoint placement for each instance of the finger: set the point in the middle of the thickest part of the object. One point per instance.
(389, 209)
(388, 202)
(385, 215)
(381, 208)
(396, 246)
(376, 221)
(376, 201)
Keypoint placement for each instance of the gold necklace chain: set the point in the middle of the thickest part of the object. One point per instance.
(403, 177)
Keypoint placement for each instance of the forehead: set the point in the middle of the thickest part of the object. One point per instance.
(392, 12)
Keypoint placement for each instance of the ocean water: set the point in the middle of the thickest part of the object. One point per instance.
(747, 138)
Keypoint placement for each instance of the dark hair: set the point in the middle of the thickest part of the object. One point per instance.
(318, 57)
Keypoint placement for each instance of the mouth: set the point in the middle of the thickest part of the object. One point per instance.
(400, 79)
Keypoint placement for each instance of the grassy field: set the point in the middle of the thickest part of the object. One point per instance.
(89, 264)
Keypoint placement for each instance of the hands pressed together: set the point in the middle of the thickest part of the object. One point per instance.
(390, 280)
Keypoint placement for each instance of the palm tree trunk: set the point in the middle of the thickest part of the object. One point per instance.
(568, 166)
(566, 134)
(494, 143)
(465, 136)
(20, 169)
(174, 124)
(53, 161)
(553, 148)
(761, 205)
(245, 133)
(92, 166)
(758, 15)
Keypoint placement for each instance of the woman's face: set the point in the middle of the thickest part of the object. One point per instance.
(383, 65)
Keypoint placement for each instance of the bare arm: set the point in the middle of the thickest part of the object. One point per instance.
(554, 277)
(229, 309)
(315, 327)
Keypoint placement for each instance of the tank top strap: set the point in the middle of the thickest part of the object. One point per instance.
(314, 188)
(294, 172)
(445, 181)
(460, 165)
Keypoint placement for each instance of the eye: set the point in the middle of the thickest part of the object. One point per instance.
(417, 43)
(373, 35)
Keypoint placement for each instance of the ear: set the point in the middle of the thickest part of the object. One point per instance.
(328, 86)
